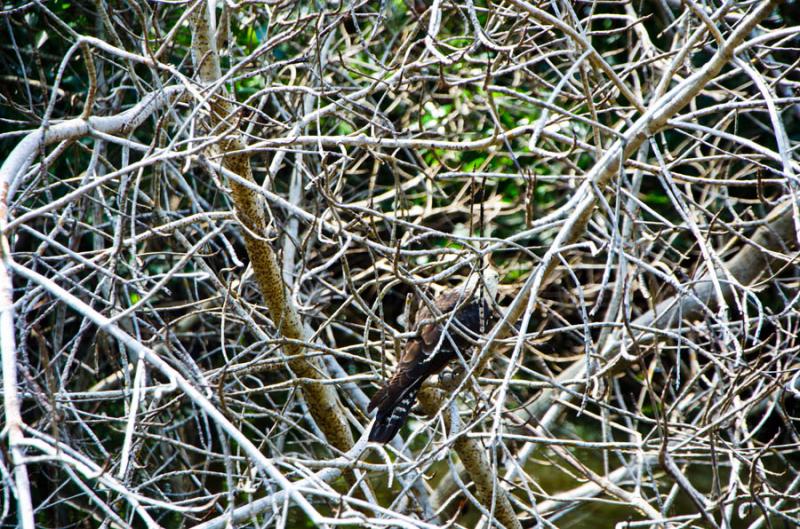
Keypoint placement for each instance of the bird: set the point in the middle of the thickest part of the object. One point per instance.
(431, 349)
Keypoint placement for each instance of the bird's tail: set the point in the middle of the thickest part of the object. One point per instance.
(394, 402)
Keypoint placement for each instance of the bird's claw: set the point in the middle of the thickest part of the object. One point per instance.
(451, 378)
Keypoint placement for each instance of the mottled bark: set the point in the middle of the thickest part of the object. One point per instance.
(473, 456)
(324, 406)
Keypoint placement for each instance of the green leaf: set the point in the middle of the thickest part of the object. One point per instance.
(656, 199)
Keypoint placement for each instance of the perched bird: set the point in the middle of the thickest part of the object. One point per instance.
(431, 349)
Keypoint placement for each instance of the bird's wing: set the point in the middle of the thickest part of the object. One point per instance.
(430, 331)
(420, 357)
(418, 360)
(424, 355)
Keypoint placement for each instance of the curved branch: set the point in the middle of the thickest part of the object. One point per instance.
(323, 403)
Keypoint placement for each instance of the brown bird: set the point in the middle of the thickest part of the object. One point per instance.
(431, 349)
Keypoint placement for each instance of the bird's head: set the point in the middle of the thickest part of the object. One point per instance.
(491, 282)
(486, 281)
